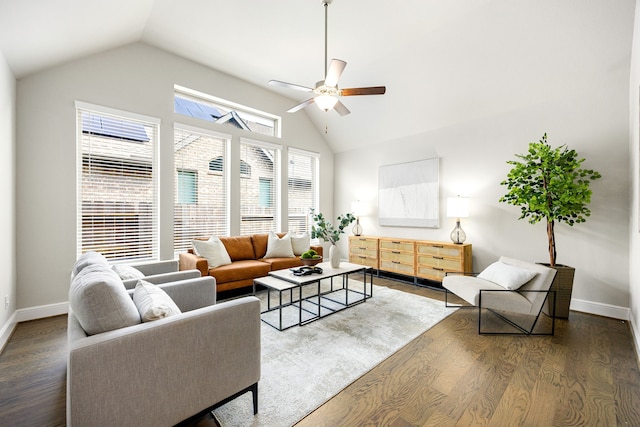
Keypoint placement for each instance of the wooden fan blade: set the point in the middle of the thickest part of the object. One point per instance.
(341, 109)
(336, 67)
(375, 90)
(300, 106)
(290, 86)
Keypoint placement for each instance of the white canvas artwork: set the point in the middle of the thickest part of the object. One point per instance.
(408, 194)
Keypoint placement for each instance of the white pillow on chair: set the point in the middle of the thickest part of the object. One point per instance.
(152, 302)
(508, 276)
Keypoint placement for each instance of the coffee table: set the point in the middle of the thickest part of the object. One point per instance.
(304, 299)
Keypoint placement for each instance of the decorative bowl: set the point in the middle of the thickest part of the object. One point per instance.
(311, 261)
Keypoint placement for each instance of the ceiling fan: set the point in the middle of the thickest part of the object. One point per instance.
(326, 92)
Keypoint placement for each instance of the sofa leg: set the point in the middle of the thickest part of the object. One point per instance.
(254, 392)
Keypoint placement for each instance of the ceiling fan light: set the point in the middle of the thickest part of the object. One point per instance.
(325, 102)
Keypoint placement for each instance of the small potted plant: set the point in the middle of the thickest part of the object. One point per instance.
(323, 229)
(549, 183)
(310, 258)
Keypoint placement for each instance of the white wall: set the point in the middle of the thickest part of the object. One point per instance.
(7, 195)
(136, 78)
(634, 156)
(590, 116)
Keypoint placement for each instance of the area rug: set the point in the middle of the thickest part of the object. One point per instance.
(305, 366)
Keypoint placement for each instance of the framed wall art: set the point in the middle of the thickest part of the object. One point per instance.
(408, 194)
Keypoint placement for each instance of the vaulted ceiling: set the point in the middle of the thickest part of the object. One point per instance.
(443, 62)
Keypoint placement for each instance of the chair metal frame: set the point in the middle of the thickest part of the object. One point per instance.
(523, 330)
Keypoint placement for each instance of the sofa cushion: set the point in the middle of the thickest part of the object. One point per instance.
(301, 243)
(152, 302)
(260, 244)
(88, 258)
(282, 263)
(127, 272)
(238, 247)
(279, 247)
(240, 270)
(99, 300)
(213, 251)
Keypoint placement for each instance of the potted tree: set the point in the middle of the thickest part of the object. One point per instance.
(323, 229)
(549, 183)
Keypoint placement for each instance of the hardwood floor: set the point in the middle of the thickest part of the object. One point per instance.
(585, 375)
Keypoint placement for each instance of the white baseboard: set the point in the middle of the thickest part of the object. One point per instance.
(7, 330)
(42, 311)
(605, 310)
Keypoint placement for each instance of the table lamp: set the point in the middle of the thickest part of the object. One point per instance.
(458, 207)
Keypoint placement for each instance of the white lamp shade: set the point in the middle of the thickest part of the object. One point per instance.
(357, 208)
(457, 207)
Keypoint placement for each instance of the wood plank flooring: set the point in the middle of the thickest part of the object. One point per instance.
(585, 375)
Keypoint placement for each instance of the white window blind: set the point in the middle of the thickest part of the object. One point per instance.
(302, 188)
(201, 185)
(117, 184)
(259, 187)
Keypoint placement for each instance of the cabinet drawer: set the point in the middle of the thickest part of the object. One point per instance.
(397, 256)
(440, 262)
(397, 245)
(439, 250)
(364, 243)
(357, 250)
(396, 266)
(430, 273)
(364, 260)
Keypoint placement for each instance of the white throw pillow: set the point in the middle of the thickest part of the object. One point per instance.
(279, 247)
(152, 302)
(127, 272)
(300, 244)
(508, 276)
(213, 250)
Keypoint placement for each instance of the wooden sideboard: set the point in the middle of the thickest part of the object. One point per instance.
(423, 259)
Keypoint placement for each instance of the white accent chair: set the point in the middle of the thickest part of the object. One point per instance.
(513, 291)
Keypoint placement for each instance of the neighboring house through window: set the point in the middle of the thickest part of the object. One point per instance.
(302, 187)
(202, 206)
(259, 195)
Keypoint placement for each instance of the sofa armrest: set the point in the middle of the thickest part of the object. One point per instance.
(157, 267)
(162, 372)
(189, 261)
(158, 279)
(192, 294)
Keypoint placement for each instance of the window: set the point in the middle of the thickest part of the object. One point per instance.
(117, 190)
(187, 187)
(208, 212)
(199, 105)
(217, 165)
(259, 195)
(302, 188)
(266, 193)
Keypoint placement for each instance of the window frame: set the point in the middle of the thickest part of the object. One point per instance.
(215, 101)
(155, 123)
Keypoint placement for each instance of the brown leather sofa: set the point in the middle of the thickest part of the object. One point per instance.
(248, 262)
